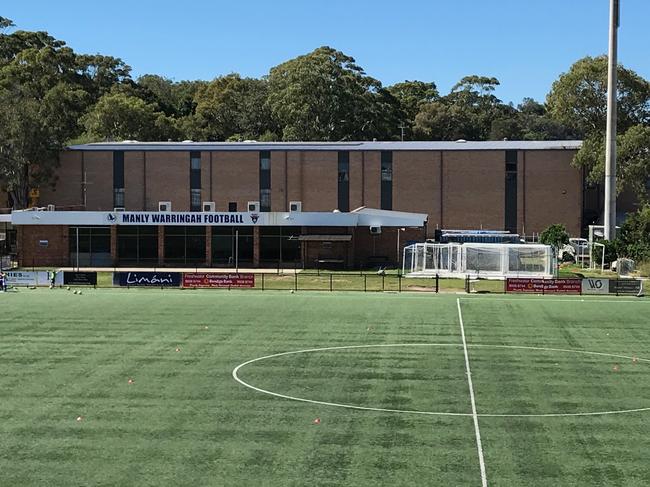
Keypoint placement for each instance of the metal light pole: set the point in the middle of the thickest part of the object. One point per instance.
(610, 148)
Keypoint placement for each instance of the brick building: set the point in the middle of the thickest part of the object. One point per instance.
(305, 195)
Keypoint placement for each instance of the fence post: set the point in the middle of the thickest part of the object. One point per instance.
(262, 281)
(295, 281)
(330, 282)
(437, 283)
(399, 282)
(383, 277)
(365, 285)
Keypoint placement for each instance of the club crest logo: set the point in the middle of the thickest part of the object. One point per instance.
(255, 217)
(111, 218)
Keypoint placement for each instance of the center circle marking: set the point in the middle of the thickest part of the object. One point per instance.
(235, 374)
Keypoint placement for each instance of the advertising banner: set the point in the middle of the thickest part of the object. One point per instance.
(27, 278)
(80, 278)
(626, 286)
(156, 279)
(544, 286)
(218, 280)
(595, 286)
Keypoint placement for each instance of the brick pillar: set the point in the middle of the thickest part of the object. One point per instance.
(208, 246)
(20, 237)
(114, 244)
(256, 246)
(161, 245)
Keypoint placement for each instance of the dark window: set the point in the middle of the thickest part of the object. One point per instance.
(232, 246)
(195, 181)
(184, 245)
(94, 246)
(232, 206)
(511, 191)
(279, 244)
(386, 180)
(344, 181)
(137, 244)
(265, 181)
(118, 179)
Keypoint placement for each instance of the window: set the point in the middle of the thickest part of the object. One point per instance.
(265, 181)
(511, 191)
(137, 244)
(118, 179)
(232, 206)
(386, 180)
(279, 244)
(94, 246)
(232, 246)
(195, 181)
(344, 181)
(184, 245)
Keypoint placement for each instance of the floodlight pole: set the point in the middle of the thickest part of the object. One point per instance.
(610, 148)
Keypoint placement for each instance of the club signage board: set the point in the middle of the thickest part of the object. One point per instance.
(214, 280)
(544, 286)
(151, 279)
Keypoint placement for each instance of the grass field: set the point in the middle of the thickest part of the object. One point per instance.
(69, 416)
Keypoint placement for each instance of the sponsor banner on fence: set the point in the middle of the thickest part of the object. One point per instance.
(595, 286)
(544, 286)
(157, 279)
(80, 278)
(218, 280)
(626, 286)
(27, 278)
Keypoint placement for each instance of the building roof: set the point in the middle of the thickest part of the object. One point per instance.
(331, 146)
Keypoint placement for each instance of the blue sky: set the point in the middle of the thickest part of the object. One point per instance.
(526, 44)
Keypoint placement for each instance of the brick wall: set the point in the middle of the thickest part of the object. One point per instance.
(31, 253)
(473, 190)
(98, 167)
(320, 181)
(367, 245)
(67, 189)
(416, 183)
(168, 179)
(553, 191)
(235, 177)
(134, 187)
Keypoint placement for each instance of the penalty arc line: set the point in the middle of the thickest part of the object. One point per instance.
(477, 430)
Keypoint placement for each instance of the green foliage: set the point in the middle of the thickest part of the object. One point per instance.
(633, 161)
(633, 238)
(578, 98)
(555, 235)
(232, 108)
(119, 116)
(325, 95)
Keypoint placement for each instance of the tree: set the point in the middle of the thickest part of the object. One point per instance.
(41, 100)
(232, 108)
(633, 239)
(468, 112)
(633, 161)
(119, 116)
(555, 235)
(325, 95)
(411, 95)
(578, 99)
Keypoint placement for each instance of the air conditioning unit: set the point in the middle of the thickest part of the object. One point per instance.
(295, 206)
(208, 206)
(118, 209)
(375, 230)
(253, 206)
(164, 206)
(51, 208)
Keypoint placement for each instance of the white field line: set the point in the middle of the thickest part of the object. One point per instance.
(235, 375)
(477, 431)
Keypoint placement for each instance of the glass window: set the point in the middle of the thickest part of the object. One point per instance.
(344, 181)
(265, 200)
(118, 198)
(195, 200)
(232, 206)
(94, 246)
(265, 181)
(386, 180)
(137, 244)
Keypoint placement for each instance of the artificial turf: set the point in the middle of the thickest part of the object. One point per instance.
(69, 416)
